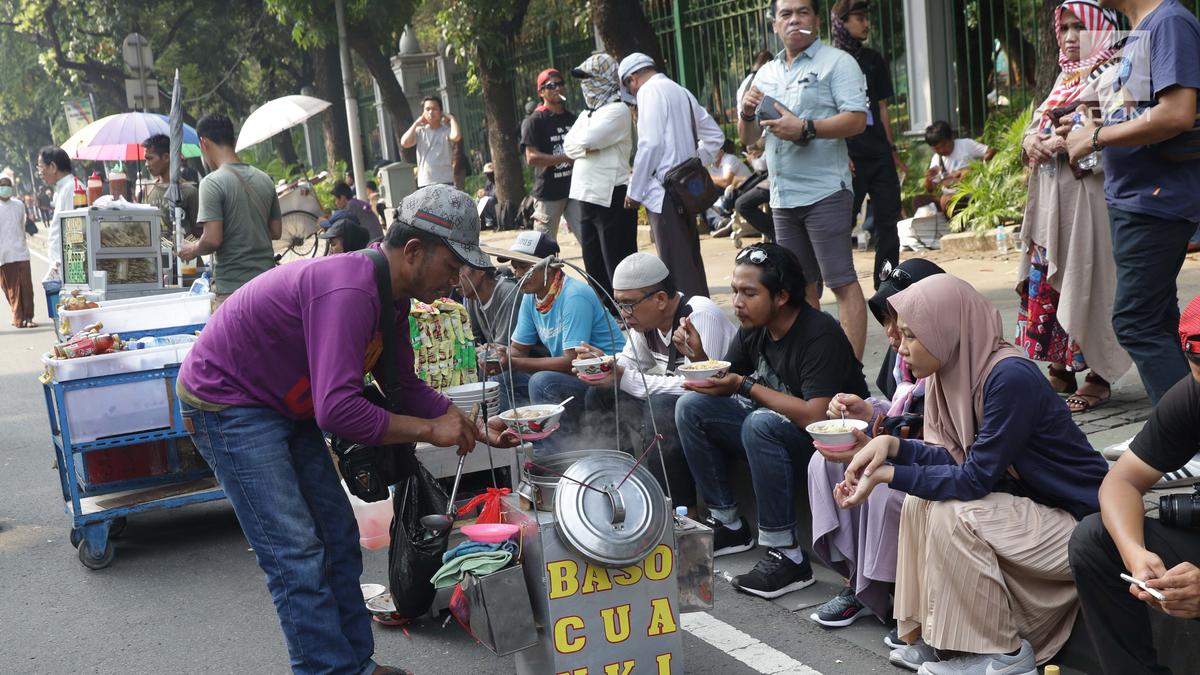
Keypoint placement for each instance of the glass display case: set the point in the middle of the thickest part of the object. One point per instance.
(122, 240)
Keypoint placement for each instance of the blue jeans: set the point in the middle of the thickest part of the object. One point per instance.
(554, 387)
(1149, 253)
(712, 426)
(519, 382)
(287, 497)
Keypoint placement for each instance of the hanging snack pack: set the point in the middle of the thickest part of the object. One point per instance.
(443, 342)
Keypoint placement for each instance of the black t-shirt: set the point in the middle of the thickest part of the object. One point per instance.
(1172, 435)
(814, 359)
(544, 131)
(873, 142)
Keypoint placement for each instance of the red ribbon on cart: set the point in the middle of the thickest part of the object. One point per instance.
(491, 505)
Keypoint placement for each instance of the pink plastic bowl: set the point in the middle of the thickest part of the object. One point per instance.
(841, 447)
(490, 533)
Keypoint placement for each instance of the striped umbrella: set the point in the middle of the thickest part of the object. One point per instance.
(119, 137)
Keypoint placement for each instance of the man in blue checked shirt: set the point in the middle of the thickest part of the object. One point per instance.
(821, 97)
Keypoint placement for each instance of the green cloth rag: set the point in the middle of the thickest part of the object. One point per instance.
(484, 562)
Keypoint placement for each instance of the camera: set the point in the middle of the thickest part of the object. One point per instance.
(1180, 510)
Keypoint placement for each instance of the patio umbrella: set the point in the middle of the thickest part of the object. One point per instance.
(278, 116)
(175, 126)
(119, 137)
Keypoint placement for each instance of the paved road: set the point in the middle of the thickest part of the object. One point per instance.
(184, 593)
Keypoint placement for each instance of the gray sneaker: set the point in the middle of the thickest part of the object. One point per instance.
(985, 664)
(913, 656)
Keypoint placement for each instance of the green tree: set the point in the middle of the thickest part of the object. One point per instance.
(484, 34)
(373, 29)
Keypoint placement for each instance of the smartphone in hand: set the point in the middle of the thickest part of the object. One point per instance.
(766, 110)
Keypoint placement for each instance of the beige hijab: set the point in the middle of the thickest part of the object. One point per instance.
(963, 331)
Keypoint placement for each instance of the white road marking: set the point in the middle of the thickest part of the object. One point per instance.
(745, 648)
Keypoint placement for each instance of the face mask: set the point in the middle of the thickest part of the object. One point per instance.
(6, 192)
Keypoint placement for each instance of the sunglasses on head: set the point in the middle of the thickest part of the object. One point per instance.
(899, 278)
(552, 85)
(753, 255)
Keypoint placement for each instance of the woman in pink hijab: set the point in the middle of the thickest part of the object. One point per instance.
(994, 492)
(1067, 279)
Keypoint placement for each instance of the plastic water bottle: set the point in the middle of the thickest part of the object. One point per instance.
(1050, 166)
(1091, 161)
(200, 286)
(151, 341)
(1002, 239)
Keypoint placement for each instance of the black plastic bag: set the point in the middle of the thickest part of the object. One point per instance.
(416, 553)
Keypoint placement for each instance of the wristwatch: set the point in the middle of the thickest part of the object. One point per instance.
(810, 130)
(1096, 147)
(748, 118)
(747, 384)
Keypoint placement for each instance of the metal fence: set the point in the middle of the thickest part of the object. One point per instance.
(709, 45)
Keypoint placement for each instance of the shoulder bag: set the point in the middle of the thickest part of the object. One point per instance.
(689, 184)
(370, 469)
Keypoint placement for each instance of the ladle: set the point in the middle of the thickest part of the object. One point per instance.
(438, 523)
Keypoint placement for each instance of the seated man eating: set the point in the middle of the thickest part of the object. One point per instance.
(645, 370)
(788, 361)
(562, 313)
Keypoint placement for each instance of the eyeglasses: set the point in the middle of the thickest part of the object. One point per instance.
(552, 85)
(899, 278)
(756, 256)
(628, 307)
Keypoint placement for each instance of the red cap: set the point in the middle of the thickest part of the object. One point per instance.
(1189, 327)
(546, 75)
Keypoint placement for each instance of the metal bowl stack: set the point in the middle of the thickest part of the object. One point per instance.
(465, 396)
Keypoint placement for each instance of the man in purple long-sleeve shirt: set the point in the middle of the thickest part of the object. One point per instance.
(283, 360)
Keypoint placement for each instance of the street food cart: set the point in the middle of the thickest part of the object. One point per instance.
(119, 443)
(604, 571)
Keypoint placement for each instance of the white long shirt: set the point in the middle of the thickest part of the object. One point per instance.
(716, 333)
(12, 232)
(600, 142)
(64, 200)
(665, 137)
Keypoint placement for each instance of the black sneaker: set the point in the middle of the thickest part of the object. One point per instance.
(727, 541)
(842, 610)
(775, 575)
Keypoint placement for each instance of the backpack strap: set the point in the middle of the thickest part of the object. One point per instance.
(674, 358)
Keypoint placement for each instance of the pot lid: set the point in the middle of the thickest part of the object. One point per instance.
(606, 524)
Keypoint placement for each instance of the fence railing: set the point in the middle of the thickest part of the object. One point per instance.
(708, 46)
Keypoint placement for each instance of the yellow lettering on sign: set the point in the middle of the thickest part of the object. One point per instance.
(616, 624)
(621, 668)
(563, 581)
(628, 576)
(564, 642)
(662, 621)
(577, 671)
(664, 664)
(659, 563)
(595, 579)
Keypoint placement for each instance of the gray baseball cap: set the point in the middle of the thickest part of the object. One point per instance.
(450, 214)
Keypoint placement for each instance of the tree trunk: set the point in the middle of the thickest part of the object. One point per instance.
(1047, 58)
(328, 86)
(285, 149)
(624, 28)
(380, 66)
(496, 82)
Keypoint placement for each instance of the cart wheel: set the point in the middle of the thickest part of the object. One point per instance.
(117, 526)
(76, 536)
(96, 562)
